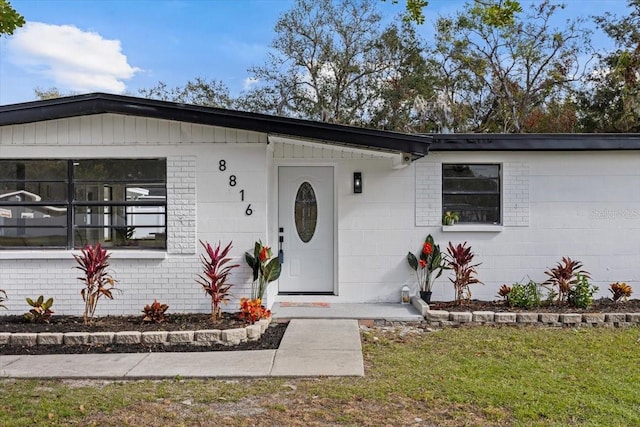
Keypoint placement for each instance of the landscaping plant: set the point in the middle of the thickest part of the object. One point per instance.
(620, 291)
(581, 294)
(3, 298)
(98, 282)
(265, 269)
(430, 261)
(450, 218)
(525, 295)
(252, 310)
(214, 278)
(155, 312)
(504, 292)
(41, 311)
(564, 276)
(459, 260)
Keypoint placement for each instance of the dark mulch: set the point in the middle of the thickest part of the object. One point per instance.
(188, 322)
(603, 305)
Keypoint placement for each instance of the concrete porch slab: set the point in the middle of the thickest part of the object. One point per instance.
(380, 311)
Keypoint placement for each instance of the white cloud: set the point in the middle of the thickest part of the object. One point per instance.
(75, 60)
(249, 82)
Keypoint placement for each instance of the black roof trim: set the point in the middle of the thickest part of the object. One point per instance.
(535, 142)
(329, 133)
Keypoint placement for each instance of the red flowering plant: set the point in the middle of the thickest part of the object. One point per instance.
(265, 268)
(252, 310)
(428, 265)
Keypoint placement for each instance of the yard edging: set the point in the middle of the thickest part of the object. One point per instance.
(202, 337)
(441, 318)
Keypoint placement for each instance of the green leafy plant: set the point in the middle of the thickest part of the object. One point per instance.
(450, 218)
(430, 261)
(155, 312)
(504, 292)
(620, 291)
(216, 271)
(564, 276)
(41, 311)
(581, 294)
(265, 269)
(3, 298)
(98, 282)
(525, 295)
(459, 260)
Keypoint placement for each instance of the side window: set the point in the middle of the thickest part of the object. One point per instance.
(71, 203)
(472, 193)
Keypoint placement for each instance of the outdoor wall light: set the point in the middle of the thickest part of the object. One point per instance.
(357, 182)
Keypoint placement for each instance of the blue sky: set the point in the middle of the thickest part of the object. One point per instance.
(120, 46)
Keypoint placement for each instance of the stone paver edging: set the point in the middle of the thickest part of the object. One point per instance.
(201, 337)
(443, 318)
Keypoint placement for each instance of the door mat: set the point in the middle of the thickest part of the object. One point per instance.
(305, 304)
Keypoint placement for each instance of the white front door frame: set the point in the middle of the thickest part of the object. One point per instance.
(274, 201)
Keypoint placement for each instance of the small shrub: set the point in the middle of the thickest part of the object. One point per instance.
(215, 275)
(252, 310)
(41, 311)
(504, 292)
(265, 268)
(564, 276)
(581, 295)
(525, 295)
(459, 261)
(620, 291)
(98, 282)
(3, 298)
(155, 312)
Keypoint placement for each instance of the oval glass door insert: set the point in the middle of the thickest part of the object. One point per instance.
(306, 212)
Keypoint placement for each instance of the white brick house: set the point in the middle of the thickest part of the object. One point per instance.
(149, 179)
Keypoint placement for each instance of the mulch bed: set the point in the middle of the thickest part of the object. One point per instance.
(175, 322)
(603, 305)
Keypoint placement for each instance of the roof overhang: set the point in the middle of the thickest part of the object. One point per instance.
(326, 133)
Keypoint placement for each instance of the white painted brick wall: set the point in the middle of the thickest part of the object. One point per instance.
(181, 204)
(428, 191)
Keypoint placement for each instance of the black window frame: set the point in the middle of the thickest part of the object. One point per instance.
(72, 228)
(472, 214)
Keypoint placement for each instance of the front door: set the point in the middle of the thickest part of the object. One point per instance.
(305, 222)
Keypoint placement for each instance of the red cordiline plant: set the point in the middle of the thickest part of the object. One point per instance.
(98, 282)
(216, 271)
(564, 276)
(459, 260)
(3, 298)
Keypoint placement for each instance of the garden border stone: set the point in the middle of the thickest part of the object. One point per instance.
(200, 337)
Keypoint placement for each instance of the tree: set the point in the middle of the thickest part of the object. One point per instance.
(208, 93)
(413, 12)
(610, 101)
(496, 65)
(331, 61)
(10, 19)
(51, 93)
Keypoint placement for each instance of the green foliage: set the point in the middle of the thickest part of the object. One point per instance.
(265, 269)
(450, 218)
(564, 276)
(98, 282)
(413, 12)
(3, 298)
(41, 311)
(216, 271)
(459, 260)
(199, 91)
(581, 294)
(155, 312)
(620, 291)
(10, 19)
(524, 295)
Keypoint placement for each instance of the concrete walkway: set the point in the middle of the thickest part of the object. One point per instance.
(310, 347)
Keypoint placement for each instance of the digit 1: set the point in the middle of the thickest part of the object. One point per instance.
(242, 195)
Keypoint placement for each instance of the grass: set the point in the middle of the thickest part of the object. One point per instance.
(481, 376)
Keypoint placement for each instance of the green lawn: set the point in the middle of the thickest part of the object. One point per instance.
(479, 376)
